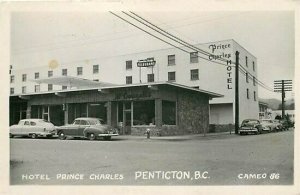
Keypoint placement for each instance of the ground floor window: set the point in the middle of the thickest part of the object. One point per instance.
(168, 113)
(144, 112)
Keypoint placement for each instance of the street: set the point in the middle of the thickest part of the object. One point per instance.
(224, 159)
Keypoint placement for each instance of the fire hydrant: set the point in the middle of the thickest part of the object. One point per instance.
(148, 133)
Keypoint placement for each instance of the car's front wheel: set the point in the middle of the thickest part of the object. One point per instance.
(91, 136)
(33, 136)
(61, 135)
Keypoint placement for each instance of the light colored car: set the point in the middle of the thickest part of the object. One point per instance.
(90, 128)
(32, 128)
(250, 126)
(268, 125)
(279, 126)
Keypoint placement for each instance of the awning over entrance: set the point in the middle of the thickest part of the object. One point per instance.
(70, 82)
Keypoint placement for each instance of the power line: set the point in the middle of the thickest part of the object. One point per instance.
(191, 46)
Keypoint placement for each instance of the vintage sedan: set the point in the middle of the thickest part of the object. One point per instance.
(268, 125)
(90, 128)
(250, 126)
(32, 128)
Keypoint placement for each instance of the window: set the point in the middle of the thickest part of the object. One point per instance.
(144, 112)
(248, 94)
(64, 87)
(171, 60)
(36, 75)
(168, 113)
(150, 78)
(129, 80)
(254, 95)
(37, 88)
(97, 80)
(12, 79)
(171, 76)
(32, 123)
(195, 74)
(246, 61)
(129, 65)
(23, 89)
(50, 73)
(64, 72)
(26, 123)
(50, 87)
(194, 57)
(254, 81)
(95, 69)
(247, 77)
(12, 90)
(79, 70)
(24, 77)
(253, 66)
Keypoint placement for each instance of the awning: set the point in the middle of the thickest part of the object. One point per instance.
(70, 82)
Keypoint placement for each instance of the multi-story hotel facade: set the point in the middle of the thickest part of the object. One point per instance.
(194, 70)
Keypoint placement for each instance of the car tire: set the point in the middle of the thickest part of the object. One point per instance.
(107, 138)
(91, 136)
(33, 136)
(61, 135)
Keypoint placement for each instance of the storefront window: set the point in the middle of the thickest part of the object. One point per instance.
(144, 112)
(168, 113)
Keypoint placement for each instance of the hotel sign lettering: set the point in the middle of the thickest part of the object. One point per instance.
(132, 94)
(218, 51)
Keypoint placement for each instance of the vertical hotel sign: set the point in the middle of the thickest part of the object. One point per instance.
(218, 52)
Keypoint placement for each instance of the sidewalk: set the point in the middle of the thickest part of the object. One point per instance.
(177, 137)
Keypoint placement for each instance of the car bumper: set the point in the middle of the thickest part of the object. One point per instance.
(107, 134)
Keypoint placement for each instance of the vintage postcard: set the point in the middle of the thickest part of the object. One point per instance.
(144, 100)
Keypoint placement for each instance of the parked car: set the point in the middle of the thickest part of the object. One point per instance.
(278, 124)
(268, 125)
(250, 126)
(90, 128)
(32, 128)
(285, 124)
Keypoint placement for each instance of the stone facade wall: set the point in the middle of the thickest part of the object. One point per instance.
(192, 112)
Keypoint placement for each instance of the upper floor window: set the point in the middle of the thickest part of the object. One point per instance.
(253, 64)
(12, 79)
(195, 74)
(12, 90)
(248, 97)
(171, 60)
(24, 77)
(50, 73)
(254, 95)
(79, 70)
(64, 72)
(128, 64)
(254, 81)
(36, 75)
(95, 69)
(171, 76)
(128, 79)
(246, 61)
(150, 78)
(64, 87)
(194, 57)
(247, 77)
(24, 89)
(37, 88)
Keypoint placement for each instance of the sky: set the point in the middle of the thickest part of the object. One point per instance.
(70, 37)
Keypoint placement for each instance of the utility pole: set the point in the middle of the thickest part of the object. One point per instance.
(282, 86)
(237, 121)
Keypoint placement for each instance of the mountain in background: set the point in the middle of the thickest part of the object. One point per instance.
(275, 104)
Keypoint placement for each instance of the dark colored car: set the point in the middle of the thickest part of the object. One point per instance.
(250, 126)
(90, 128)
